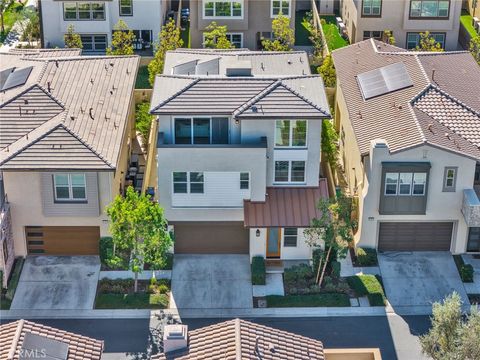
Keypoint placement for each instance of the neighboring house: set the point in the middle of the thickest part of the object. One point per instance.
(247, 21)
(405, 18)
(239, 151)
(409, 126)
(24, 339)
(95, 21)
(473, 10)
(241, 339)
(66, 129)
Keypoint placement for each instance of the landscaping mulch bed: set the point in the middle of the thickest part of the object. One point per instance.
(6, 295)
(474, 299)
(316, 300)
(370, 286)
(370, 258)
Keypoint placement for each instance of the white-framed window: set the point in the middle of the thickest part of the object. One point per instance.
(280, 7)
(244, 181)
(78, 11)
(413, 39)
(188, 182)
(236, 39)
(450, 179)
(429, 8)
(126, 7)
(94, 42)
(371, 7)
(70, 187)
(289, 171)
(405, 183)
(217, 9)
(290, 133)
(290, 236)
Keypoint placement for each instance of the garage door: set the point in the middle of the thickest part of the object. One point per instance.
(415, 236)
(211, 238)
(62, 240)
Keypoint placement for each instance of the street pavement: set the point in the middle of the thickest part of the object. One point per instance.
(397, 337)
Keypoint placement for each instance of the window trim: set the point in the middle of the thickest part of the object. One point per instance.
(77, 18)
(243, 181)
(284, 236)
(70, 199)
(204, 2)
(189, 183)
(290, 136)
(120, 9)
(410, 17)
(289, 181)
(363, 15)
(452, 188)
(180, 182)
(431, 34)
(93, 43)
(210, 117)
(281, 9)
(412, 184)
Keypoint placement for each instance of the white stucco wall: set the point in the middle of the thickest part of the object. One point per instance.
(258, 246)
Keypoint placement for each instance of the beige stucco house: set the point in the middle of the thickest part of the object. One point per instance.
(405, 18)
(66, 129)
(409, 127)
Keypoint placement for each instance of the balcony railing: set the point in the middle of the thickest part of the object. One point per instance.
(261, 143)
(471, 207)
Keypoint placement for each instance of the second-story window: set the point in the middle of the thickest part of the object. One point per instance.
(201, 130)
(244, 180)
(188, 182)
(429, 8)
(70, 187)
(290, 133)
(404, 184)
(126, 7)
(84, 11)
(280, 7)
(372, 8)
(450, 179)
(223, 9)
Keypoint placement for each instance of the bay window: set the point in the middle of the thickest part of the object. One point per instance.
(405, 183)
(70, 187)
(290, 133)
(223, 9)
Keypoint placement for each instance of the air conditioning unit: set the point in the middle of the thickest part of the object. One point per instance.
(476, 25)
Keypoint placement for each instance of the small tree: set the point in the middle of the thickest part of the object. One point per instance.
(451, 337)
(4, 5)
(143, 120)
(216, 37)
(334, 228)
(475, 48)
(122, 40)
(388, 37)
(169, 40)
(318, 44)
(72, 39)
(283, 35)
(138, 226)
(428, 43)
(327, 71)
(329, 143)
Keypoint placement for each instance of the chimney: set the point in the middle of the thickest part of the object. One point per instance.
(175, 337)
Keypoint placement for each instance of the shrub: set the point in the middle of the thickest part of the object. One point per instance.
(370, 286)
(336, 267)
(466, 273)
(317, 254)
(298, 277)
(326, 300)
(14, 278)
(106, 249)
(258, 270)
(143, 120)
(367, 257)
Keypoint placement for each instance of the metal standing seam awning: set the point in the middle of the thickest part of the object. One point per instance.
(286, 207)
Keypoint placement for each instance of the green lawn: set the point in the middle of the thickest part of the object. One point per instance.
(142, 78)
(466, 20)
(318, 300)
(7, 295)
(332, 36)
(370, 286)
(5, 304)
(302, 31)
(10, 16)
(131, 301)
(185, 34)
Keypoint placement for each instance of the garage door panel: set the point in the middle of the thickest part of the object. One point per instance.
(415, 236)
(211, 238)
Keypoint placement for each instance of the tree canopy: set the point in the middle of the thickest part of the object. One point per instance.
(122, 40)
(169, 40)
(327, 71)
(283, 35)
(72, 39)
(475, 48)
(428, 43)
(216, 37)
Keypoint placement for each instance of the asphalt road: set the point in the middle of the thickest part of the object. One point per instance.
(397, 337)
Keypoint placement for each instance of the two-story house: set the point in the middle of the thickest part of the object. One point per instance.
(406, 19)
(247, 21)
(239, 151)
(95, 21)
(66, 130)
(409, 125)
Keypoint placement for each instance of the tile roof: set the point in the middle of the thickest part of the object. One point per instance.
(89, 96)
(446, 91)
(299, 96)
(46, 53)
(79, 347)
(286, 207)
(244, 340)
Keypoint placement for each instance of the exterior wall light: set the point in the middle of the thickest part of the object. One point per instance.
(257, 233)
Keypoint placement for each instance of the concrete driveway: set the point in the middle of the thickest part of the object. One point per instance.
(419, 278)
(57, 282)
(211, 282)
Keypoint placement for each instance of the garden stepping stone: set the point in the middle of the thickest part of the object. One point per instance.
(354, 302)
(363, 301)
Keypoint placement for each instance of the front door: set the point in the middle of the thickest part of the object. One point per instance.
(273, 242)
(473, 244)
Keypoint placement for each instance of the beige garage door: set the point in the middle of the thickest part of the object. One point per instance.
(62, 240)
(211, 238)
(415, 236)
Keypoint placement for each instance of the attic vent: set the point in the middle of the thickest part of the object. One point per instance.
(11, 78)
(238, 68)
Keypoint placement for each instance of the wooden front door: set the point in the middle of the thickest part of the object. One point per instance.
(273, 242)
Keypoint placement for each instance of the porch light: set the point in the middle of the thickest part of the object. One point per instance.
(237, 121)
(257, 233)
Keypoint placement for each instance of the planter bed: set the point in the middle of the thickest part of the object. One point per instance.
(6, 296)
(317, 300)
(127, 274)
(119, 294)
(369, 286)
(367, 259)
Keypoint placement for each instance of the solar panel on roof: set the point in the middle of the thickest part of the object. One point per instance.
(17, 78)
(4, 74)
(40, 347)
(384, 80)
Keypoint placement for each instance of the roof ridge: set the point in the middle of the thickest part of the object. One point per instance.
(16, 338)
(242, 108)
(195, 80)
(30, 88)
(238, 339)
